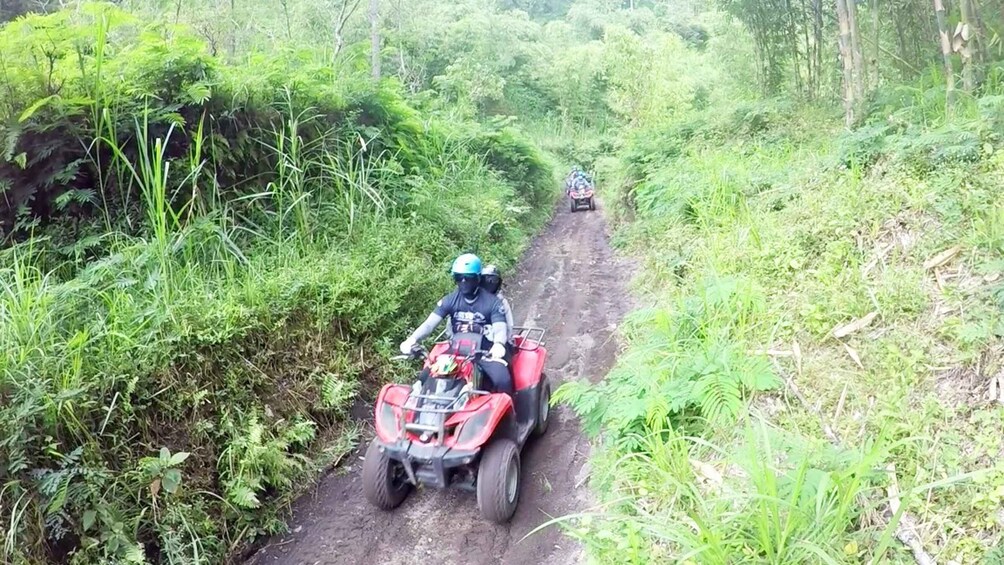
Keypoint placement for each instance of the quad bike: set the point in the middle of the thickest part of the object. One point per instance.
(581, 197)
(451, 432)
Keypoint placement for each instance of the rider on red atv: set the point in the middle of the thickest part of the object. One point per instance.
(472, 310)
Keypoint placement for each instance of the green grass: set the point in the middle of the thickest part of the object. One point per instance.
(819, 245)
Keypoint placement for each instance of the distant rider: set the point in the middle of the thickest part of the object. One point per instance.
(577, 179)
(472, 310)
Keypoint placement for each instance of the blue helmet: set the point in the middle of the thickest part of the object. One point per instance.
(467, 264)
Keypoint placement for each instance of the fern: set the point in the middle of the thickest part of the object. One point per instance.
(258, 457)
(718, 396)
(683, 362)
(336, 393)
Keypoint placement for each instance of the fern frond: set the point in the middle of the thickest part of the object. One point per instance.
(719, 396)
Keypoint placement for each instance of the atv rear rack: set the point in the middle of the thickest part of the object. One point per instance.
(533, 338)
(529, 334)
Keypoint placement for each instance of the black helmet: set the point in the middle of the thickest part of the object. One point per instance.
(491, 280)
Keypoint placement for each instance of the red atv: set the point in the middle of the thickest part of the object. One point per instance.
(453, 433)
(581, 197)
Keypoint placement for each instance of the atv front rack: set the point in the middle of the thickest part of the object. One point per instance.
(449, 410)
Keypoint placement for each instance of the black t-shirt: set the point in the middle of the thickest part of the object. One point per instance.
(471, 317)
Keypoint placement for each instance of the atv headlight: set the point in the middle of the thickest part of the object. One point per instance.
(472, 428)
(386, 422)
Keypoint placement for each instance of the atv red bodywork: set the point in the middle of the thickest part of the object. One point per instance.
(463, 424)
(581, 198)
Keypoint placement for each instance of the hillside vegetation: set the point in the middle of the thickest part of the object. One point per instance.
(205, 262)
(817, 377)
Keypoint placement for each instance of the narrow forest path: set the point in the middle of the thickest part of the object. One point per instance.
(570, 283)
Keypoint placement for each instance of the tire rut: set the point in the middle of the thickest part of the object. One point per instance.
(569, 283)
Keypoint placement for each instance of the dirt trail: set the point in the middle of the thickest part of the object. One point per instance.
(569, 283)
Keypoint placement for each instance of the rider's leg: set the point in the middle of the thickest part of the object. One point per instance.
(499, 376)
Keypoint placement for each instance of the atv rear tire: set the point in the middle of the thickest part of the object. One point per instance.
(384, 482)
(543, 407)
(499, 481)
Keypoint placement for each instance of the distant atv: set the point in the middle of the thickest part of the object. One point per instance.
(581, 196)
(453, 433)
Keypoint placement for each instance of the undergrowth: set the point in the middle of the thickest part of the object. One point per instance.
(205, 264)
(779, 251)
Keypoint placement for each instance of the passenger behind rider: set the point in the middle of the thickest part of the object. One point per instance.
(491, 281)
(472, 310)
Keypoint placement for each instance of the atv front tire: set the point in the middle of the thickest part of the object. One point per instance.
(384, 481)
(592, 205)
(543, 407)
(499, 481)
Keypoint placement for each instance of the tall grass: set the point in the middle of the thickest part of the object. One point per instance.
(765, 496)
(250, 264)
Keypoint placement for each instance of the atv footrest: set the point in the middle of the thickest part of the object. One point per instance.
(524, 430)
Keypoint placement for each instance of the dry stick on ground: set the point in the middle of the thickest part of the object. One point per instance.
(906, 531)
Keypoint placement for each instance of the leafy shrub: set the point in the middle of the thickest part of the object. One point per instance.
(928, 149)
(863, 147)
(685, 362)
(750, 119)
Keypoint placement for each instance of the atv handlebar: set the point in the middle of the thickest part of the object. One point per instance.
(419, 352)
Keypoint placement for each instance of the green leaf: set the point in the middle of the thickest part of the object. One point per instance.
(165, 454)
(171, 480)
(135, 554)
(30, 111)
(199, 92)
(88, 521)
(178, 458)
(243, 497)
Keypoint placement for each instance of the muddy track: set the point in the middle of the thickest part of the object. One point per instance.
(570, 283)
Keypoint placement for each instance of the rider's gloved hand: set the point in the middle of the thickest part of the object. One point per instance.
(407, 345)
(497, 351)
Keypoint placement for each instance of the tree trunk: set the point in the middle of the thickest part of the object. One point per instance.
(856, 55)
(946, 50)
(962, 42)
(844, 43)
(982, 56)
(874, 63)
(901, 38)
(792, 36)
(233, 32)
(345, 11)
(810, 59)
(817, 28)
(285, 11)
(375, 38)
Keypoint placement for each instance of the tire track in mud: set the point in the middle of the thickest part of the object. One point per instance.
(569, 283)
